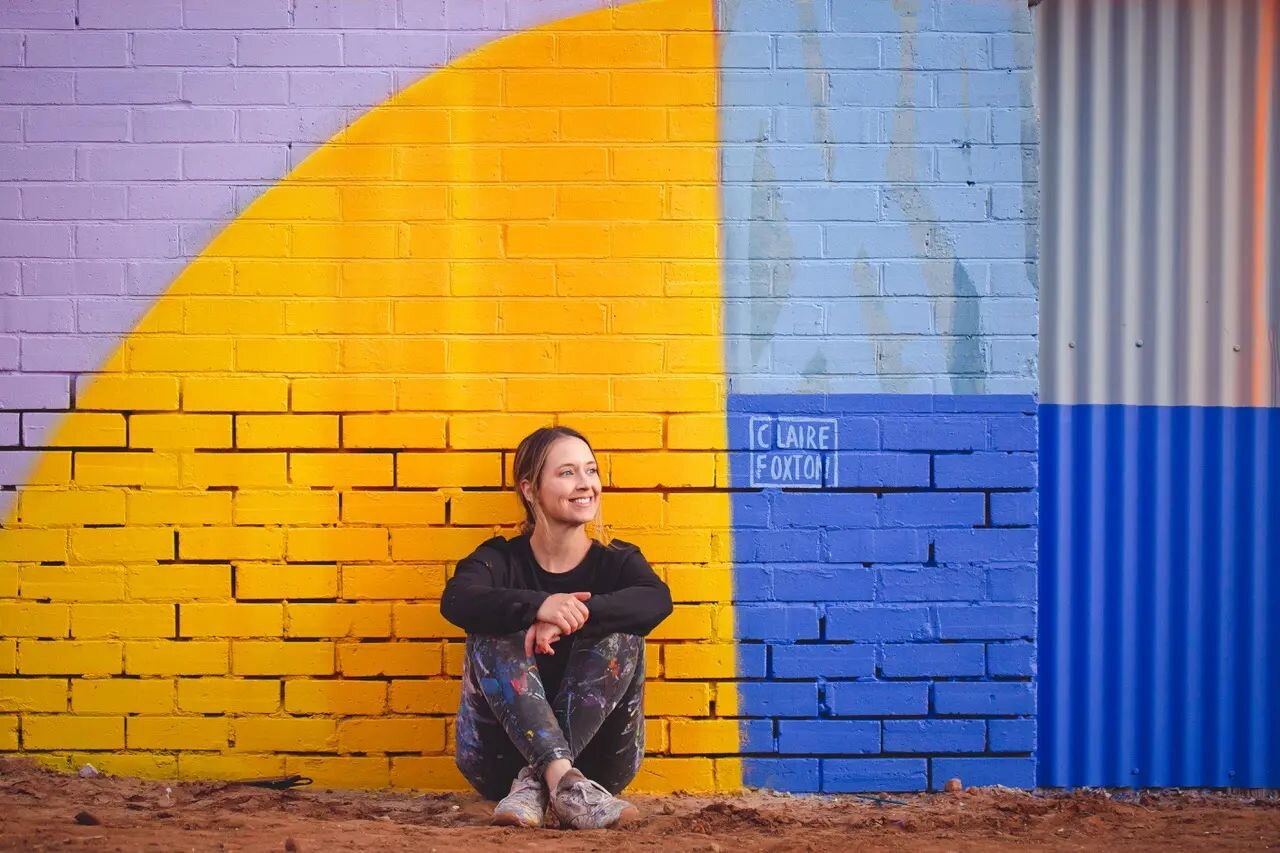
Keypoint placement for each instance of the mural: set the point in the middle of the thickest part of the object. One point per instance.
(776, 259)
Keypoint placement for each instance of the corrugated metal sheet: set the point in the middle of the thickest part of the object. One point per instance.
(1160, 372)
(1160, 190)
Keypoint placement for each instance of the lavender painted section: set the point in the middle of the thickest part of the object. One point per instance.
(132, 131)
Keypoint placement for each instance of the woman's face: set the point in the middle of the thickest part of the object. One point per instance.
(569, 491)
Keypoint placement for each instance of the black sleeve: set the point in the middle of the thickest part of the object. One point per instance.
(640, 602)
(479, 597)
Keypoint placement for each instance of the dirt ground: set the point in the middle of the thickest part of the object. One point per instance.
(41, 810)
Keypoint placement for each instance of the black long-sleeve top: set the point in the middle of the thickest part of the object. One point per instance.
(499, 588)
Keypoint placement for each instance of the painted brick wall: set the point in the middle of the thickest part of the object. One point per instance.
(267, 338)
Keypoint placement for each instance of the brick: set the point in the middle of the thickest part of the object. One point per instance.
(423, 620)
(165, 432)
(79, 732)
(448, 469)
(392, 582)
(431, 773)
(842, 737)
(695, 583)
(932, 736)
(794, 775)
(123, 696)
(272, 581)
(425, 697)
(873, 774)
(253, 657)
(341, 469)
(435, 544)
(122, 620)
(235, 543)
(983, 699)
(137, 469)
(704, 737)
(274, 355)
(368, 659)
(34, 392)
(1012, 735)
(932, 584)
(1011, 659)
(670, 470)
(69, 657)
(177, 733)
(129, 393)
(338, 620)
(43, 545)
(1014, 584)
(789, 546)
(822, 661)
(167, 507)
(325, 544)
(712, 660)
(167, 657)
(878, 623)
(890, 470)
(491, 431)
(230, 620)
(913, 660)
(123, 545)
(391, 735)
(992, 545)
(776, 622)
(981, 772)
(229, 767)
(685, 699)
(1014, 508)
(840, 510)
(373, 507)
(178, 582)
(483, 508)
(822, 583)
(68, 583)
(34, 619)
(8, 657)
(782, 699)
(285, 735)
(879, 546)
(33, 694)
(286, 507)
(145, 765)
(229, 695)
(877, 699)
(73, 507)
(286, 431)
(986, 622)
(189, 49)
(345, 772)
(336, 697)
(343, 395)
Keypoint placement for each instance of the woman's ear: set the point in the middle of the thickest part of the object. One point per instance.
(527, 490)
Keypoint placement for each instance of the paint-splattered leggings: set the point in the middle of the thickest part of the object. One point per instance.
(506, 722)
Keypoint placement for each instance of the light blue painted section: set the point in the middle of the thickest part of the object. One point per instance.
(874, 150)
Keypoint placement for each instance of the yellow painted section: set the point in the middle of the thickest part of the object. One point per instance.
(316, 421)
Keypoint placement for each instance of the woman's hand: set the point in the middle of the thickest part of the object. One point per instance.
(565, 610)
(540, 636)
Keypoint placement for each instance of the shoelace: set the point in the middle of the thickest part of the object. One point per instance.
(593, 793)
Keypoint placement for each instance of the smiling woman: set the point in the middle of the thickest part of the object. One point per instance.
(553, 678)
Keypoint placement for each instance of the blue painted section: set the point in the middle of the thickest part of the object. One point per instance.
(1159, 594)
(894, 615)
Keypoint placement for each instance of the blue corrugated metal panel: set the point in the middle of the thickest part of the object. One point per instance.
(1160, 596)
(1160, 354)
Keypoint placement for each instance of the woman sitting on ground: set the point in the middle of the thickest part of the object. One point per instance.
(553, 680)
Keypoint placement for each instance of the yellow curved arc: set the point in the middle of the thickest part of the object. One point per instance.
(317, 410)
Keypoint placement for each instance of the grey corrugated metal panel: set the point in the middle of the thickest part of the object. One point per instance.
(1160, 280)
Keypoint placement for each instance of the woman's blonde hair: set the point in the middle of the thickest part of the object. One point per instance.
(530, 460)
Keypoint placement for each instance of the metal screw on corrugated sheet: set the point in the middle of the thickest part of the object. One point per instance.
(1236, 348)
(1138, 344)
(1071, 344)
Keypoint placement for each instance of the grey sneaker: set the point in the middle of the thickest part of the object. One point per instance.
(525, 804)
(580, 803)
